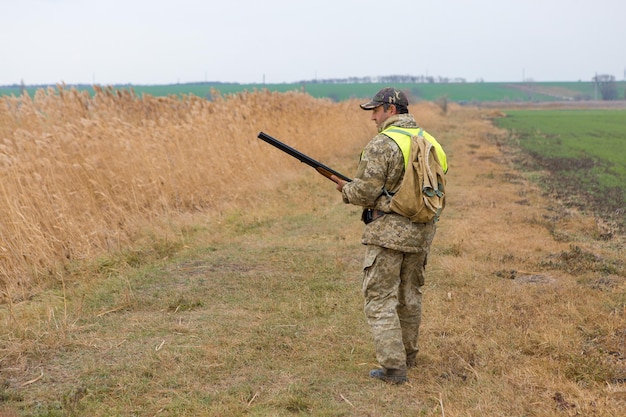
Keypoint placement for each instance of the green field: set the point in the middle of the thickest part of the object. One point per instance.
(458, 92)
(584, 152)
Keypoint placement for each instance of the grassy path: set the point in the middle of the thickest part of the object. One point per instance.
(258, 312)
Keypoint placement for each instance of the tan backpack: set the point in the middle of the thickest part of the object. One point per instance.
(421, 196)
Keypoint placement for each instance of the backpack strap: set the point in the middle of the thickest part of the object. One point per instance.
(405, 147)
(443, 160)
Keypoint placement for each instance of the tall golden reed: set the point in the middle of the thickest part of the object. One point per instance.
(81, 176)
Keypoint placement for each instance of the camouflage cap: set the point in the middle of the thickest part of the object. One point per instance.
(387, 95)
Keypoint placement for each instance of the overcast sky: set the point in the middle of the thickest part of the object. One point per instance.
(275, 41)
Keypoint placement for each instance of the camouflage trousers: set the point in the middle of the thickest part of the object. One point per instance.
(393, 302)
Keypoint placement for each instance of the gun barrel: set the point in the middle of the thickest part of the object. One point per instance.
(321, 168)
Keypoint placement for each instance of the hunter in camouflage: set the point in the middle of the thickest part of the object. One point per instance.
(396, 248)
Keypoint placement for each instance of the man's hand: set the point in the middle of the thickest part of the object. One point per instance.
(340, 183)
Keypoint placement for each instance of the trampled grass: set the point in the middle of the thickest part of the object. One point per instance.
(249, 303)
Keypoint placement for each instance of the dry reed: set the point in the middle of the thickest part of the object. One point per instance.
(82, 176)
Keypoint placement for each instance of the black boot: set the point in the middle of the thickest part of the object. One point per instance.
(392, 376)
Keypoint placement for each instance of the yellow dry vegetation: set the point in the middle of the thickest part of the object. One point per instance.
(82, 176)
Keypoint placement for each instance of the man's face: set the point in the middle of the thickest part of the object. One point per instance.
(379, 115)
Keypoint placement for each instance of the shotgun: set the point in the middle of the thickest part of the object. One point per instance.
(319, 167)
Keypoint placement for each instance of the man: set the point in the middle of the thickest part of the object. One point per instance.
(396, 248)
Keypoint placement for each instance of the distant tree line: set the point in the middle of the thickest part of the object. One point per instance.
(397, 79)
(605, 84)
(606, 87)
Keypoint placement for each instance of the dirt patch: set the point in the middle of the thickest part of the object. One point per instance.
(565, 180)
(526, 277)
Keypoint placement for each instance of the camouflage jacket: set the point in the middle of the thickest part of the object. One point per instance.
(382, 165)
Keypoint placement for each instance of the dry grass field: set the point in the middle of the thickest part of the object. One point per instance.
(158, 259)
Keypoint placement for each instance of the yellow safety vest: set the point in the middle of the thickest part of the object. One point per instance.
(402, 136)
